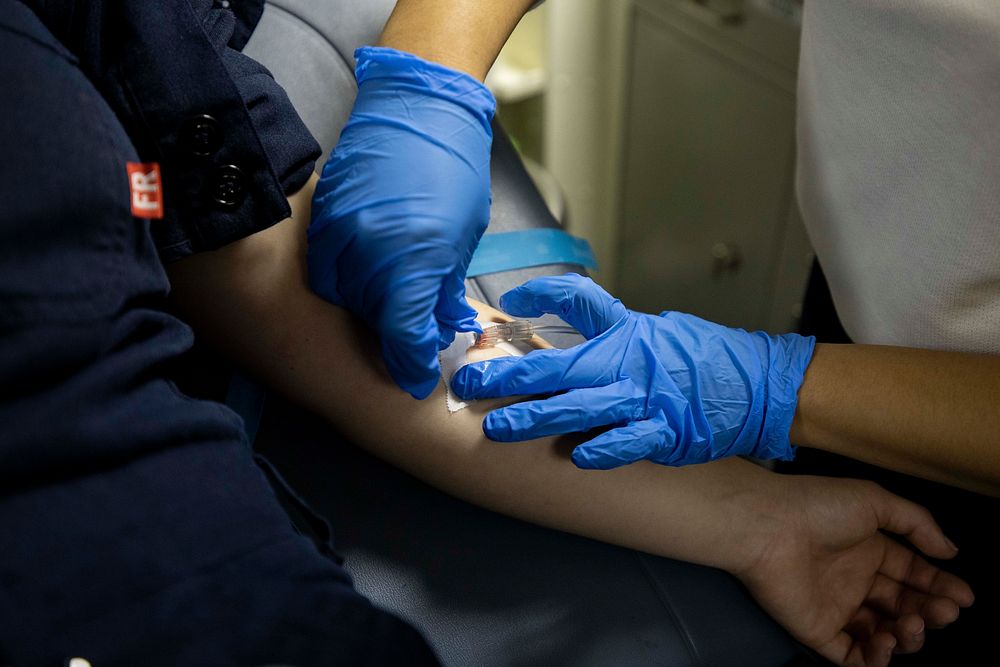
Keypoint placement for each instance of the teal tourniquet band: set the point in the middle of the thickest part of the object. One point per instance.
(508, 251)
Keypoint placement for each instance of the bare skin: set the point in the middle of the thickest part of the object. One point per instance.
(810, 549)
(931, 414)
(466, 35)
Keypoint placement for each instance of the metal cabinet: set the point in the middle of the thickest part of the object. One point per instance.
(708, 220)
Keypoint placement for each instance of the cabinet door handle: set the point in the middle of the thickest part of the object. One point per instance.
(728, 11)
(726, 258)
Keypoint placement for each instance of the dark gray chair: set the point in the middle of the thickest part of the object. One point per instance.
(484, 588)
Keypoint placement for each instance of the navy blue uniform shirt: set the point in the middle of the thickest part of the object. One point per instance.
(229, 143)
(135, 528)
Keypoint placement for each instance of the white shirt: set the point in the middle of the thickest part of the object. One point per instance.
(899, 167)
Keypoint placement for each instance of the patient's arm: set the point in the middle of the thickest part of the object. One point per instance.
(809, 548)
(251, 300)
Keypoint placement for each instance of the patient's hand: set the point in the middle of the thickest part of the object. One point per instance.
(839, 585)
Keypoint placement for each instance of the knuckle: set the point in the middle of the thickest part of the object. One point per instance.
(636, 402)
(923, 515)
(869, 488)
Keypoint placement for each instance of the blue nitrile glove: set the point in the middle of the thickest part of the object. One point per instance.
(401, 206)
(678, 390)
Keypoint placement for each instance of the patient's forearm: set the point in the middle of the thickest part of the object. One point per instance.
(465, 35)
(251, 298)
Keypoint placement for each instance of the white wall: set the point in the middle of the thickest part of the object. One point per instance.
(582, 118)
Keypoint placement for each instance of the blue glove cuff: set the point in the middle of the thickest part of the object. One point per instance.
(420, 76)
(789, 357)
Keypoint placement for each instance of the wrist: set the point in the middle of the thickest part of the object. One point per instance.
(748, 510)
(760, 516)
(787, 359)
(390, 79)
(404, 74)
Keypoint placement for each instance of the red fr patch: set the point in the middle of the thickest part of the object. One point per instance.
(146, 188)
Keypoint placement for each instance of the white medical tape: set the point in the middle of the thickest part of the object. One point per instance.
(456, 355)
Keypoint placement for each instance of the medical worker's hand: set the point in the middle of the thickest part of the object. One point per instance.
(826, 571)
(675, 389)
(401, 206)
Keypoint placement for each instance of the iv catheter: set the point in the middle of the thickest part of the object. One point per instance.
(517, 331)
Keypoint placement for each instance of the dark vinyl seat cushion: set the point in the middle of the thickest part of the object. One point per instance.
(484, 588)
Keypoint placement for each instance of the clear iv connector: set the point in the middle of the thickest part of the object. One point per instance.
(516, 331)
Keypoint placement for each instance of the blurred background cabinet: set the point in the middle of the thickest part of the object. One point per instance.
(708, 220)
(666, 133)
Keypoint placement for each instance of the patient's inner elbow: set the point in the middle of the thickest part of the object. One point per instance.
(474, 354)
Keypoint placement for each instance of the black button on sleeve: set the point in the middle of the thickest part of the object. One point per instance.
(228, 186)
(201, 136)
(195, 105)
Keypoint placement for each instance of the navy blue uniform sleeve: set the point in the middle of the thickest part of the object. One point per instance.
(229, 143)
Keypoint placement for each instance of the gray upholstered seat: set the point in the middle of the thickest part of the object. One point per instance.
(485, 589)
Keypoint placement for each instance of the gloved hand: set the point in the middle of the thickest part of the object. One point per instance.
(678, 390)
(401, 206)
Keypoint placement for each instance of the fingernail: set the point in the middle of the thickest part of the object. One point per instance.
(497, 427)
(462, 383)
(424, 389)
(580, 461)
(950, 544)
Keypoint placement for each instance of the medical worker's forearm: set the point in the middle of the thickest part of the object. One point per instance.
(466, 35)
(931, 414)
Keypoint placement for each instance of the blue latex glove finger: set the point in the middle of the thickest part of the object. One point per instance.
(445, 338)
(539, 372)
(578, 301)
(323, 275)
(649, 439)
(453, 312)
(576, 410)
(409, 335)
